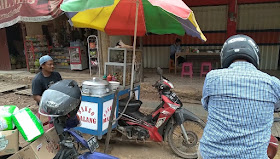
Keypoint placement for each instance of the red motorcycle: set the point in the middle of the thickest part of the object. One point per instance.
(168, 122)
(272, 147)
(273, 143)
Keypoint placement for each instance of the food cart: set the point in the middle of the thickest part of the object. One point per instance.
(95, 108)
(94, 112)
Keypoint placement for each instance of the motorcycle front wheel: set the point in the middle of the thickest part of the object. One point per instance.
(177, 142)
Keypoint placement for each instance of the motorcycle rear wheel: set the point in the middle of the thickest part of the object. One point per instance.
(177, 142)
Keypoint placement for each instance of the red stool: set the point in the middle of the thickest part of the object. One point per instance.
(46, 123)
(205, 64)
(187, 71)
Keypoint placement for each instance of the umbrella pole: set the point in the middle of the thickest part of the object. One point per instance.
(134, 48)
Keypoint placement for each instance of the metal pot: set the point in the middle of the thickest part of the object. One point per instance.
(97, 87)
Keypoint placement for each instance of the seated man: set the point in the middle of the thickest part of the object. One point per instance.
(176, 48)
(45, 78)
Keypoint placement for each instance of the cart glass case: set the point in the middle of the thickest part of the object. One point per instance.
(119, 64)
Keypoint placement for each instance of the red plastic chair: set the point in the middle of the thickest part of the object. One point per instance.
(205, 71)
(188, 71)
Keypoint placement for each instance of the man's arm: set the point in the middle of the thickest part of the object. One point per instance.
(37, 90)
(276, 89)
(37, 98)
(277, 107)
(205, 95)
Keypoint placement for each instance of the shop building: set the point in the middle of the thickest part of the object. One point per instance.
(22, 44)
(219, 19)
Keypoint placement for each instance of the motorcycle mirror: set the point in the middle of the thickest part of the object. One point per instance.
(159, 71)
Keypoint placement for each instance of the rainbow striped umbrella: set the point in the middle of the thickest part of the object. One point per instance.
(154, 16)
(135, 17)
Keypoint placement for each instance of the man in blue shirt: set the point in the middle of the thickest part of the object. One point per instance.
(240, 102)
(176, 48)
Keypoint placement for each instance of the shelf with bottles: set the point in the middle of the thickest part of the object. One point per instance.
(37, 43)
(93, 53)
(61, 57)
(30, 47)
(35, 47)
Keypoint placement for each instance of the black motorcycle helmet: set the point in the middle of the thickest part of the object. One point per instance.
(240, 47)
(60, 99)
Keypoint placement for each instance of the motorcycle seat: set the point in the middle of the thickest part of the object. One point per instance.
(140, 115)
(133, 105)
(133, 109)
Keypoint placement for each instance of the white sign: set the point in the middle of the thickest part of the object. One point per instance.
(76, 66)
(107, 107)
(88, 114)
(137, 94)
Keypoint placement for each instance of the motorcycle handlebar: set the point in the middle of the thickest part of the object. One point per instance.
(155, 85)
(181, 104)
(165, 78)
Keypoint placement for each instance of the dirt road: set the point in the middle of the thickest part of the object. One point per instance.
(123, 150)
(186, 88)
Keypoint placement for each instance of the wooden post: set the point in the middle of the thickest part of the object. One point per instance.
(108, 137)
(104, 43)
(232, 18)
(5, 63)
(23, 32)
(134, 47)
(142, 60)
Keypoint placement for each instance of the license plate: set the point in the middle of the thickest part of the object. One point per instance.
(92, 144)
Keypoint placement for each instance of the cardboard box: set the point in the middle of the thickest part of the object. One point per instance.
(8, 142)
(15, 156)
(25, 153)
(44, 147)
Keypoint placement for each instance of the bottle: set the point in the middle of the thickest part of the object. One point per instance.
(109, 78)
(114, 78)
(92, 44)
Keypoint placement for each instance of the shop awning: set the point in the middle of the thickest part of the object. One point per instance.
(13, 11)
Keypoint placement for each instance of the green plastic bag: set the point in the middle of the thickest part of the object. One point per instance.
(6, 112)
(28, 124)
